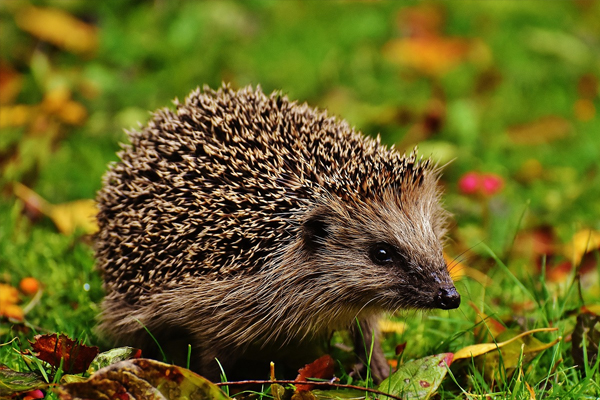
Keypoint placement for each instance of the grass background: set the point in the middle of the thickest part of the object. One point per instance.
(503, 87)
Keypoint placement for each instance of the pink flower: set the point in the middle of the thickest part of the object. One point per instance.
(469, 183)
(34, 394)
(491, 184)
(485, 184)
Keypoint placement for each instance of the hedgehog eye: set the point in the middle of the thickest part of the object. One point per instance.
(382, 253)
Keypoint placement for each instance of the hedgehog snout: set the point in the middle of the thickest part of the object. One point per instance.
(446, 298)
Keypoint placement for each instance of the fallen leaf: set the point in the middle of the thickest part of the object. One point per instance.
(13, 383)
(113, 356)
(55, 99)
(543, 130)
(78, 214)
(322, 368)
(431, 55)
(591, 308)
(73, 113)
(278, 392)
(587, 331)
(68, 217)
(488, 324)
(59, 28)
(54, 347)
(9, 297)
(482, 348)
(142, 379)
(389, 326)
(583, 242)
(15, 116)
(455, 268)
(495, 363)
(531, 391)
(418, 379)
(10, 83)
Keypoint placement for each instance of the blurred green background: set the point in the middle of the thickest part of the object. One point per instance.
(507, 88)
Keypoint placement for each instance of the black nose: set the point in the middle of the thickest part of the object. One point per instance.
(447, 298)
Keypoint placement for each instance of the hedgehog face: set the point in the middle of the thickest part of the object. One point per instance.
(390, 252)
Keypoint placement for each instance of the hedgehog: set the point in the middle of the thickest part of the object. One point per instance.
(243, 221)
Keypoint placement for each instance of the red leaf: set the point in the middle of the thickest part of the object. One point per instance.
(321, 368)
(52, 348)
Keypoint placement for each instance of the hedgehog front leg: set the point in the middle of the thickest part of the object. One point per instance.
(365, 338)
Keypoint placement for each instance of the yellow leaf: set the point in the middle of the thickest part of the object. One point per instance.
(9, 296)
(530, 390)
(387, 326)
(68, 217)
(59, 28)
(73, 113)
(583, 242)
(593, 308)
(55, 99)
(479, 349)
(73, 215)
(12, 116)
(455, 268)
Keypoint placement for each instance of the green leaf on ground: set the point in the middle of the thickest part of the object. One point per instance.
(418, 379)
(13, 382)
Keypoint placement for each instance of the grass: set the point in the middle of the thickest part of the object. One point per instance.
(521, 103)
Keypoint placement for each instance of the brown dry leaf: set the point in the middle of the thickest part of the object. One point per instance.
(431, 55)
(59, 28)
(482, 348)
(586, 340)
(542, 247)
(322, 368)
(543, 130)
(53, 347)
(142, 379)
(9, 297)
(10, 83)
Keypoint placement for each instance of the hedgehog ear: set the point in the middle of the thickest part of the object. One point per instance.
(314, 232)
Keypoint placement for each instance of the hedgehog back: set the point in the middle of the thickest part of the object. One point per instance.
(217, 186)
